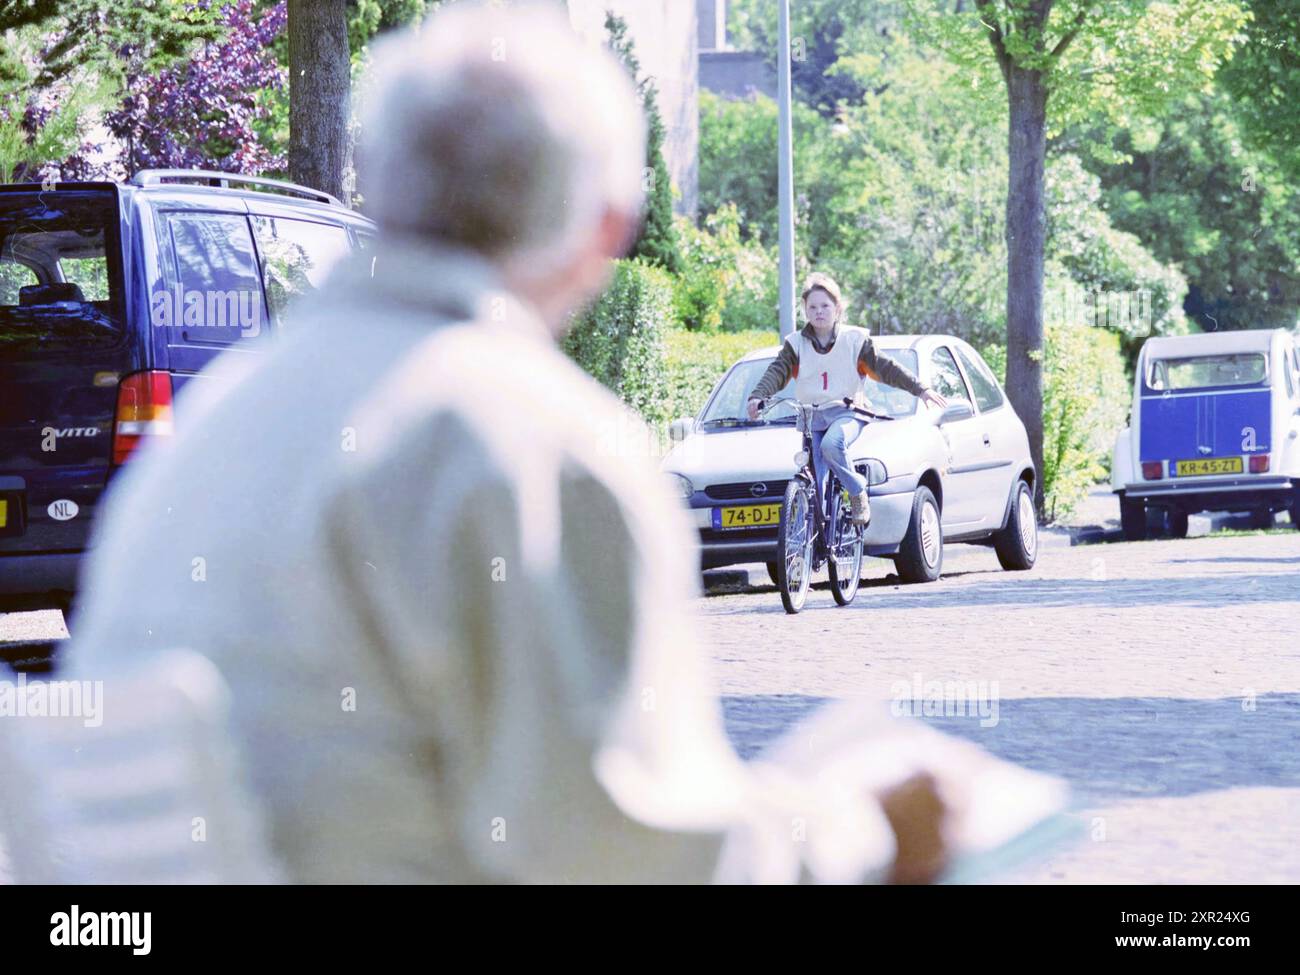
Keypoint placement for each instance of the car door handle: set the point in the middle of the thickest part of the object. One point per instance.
(987, 442)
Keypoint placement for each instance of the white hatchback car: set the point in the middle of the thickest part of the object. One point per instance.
(963, 476)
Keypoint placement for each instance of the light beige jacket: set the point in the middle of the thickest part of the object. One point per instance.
(452, 606)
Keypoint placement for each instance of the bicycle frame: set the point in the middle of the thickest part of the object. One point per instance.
(823, 531)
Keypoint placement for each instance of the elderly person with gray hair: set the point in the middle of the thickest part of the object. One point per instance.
(410, 507)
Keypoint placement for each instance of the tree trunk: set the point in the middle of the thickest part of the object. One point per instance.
(319, 93)
(1026, 239)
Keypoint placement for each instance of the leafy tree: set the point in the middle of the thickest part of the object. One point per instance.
(112, 39)
(64, 61)
(903, 199)
(822, 34)
(368, 18)
(737, 153)
(657, 241)
(1264, 79)
(202, 113)
(725, 283)
(1192, 186)
(1111, 58)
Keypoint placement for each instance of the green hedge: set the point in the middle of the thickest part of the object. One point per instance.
(726, 284)
(620, 340)
(697, 360)
(1086, 396)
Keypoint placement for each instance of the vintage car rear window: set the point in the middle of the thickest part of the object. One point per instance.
(1208, 371)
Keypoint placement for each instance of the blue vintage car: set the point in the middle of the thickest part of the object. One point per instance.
(1215, 427)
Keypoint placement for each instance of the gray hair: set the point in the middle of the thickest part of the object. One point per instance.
(502, 130)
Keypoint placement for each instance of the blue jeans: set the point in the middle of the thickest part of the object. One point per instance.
(831, 445)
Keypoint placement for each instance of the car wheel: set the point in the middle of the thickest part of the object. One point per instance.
(1176, 523)
(920, 556)
(1295, 507)
(771, 573)
(1132, 519)
(1017, 543)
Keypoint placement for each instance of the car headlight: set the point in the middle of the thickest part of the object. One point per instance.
(682, 485)
(873, 470)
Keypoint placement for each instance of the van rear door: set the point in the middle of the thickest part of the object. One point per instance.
(64, 345)
(1207, 414)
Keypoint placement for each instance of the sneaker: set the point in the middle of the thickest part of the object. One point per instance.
(859, 509)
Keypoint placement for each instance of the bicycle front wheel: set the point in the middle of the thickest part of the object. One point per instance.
(847, 546)
(795, 543)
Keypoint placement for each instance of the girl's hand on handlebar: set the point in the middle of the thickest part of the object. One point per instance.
(754, 407)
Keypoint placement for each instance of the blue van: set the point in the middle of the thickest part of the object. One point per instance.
(1215, 427)
(114, 297)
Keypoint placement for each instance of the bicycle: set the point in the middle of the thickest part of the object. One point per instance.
(815, 528)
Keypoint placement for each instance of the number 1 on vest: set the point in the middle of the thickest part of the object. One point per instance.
(825, 381)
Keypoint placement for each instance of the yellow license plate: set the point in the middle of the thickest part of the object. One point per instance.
(748, 516)
(1210, 465)
(4, 512)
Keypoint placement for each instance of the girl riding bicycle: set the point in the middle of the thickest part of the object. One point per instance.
(828, 362)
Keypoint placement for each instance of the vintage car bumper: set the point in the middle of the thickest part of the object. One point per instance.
(1213, 493)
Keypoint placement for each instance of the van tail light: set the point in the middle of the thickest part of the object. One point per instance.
(1259, 464)
(144, 410)
(1152, 469)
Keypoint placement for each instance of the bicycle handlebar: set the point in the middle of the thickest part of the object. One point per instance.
(765, 405)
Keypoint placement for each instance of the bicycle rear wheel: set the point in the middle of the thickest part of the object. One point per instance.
(847, 547)
(795, 542)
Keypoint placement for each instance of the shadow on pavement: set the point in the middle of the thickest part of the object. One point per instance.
(1245, 558)
(1211, 590)
(1109, 749)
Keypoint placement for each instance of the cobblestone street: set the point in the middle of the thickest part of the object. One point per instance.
(1161, 679)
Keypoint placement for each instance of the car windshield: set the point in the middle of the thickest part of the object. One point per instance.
(1200, 372)
(727, 408)
(59, 273)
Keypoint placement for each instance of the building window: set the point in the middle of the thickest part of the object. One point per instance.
(712, 17)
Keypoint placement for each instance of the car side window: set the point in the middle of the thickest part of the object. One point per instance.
(987, 395)
(947, 377)
(217, 295)
(297, 256)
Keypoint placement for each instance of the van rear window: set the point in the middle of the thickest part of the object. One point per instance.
(1208, 371)
(60, 272)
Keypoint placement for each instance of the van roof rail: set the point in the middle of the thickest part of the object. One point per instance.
(153, 177)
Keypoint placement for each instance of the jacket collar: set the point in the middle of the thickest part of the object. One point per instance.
(810, 334)
(447, 281)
